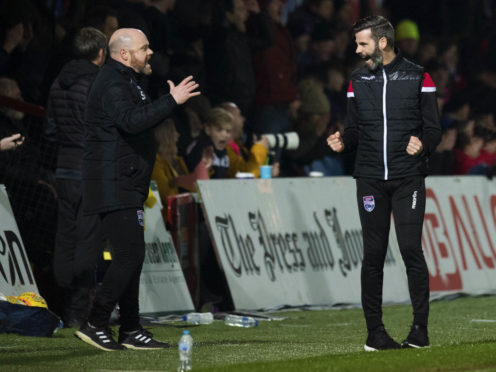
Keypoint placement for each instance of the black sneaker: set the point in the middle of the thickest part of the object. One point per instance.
(417, 337)
(378, 339)
(98, 337)
(141, 340)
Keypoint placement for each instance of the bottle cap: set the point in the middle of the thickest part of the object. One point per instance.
(186, 332)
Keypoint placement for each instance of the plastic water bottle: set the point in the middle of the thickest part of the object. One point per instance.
(240, 321)
(185, 347)
(199, 318)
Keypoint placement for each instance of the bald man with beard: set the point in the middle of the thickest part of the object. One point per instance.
(119, 153)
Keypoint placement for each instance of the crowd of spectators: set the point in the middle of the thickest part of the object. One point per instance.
(264, 66)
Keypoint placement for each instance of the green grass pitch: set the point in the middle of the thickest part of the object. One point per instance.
(462, 334)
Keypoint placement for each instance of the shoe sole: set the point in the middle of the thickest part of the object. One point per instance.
(133, 347)
(89, 341)
(368, 348)
(408, 345)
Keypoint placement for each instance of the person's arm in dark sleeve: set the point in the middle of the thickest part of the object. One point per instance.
(132, 118)
(350, 135)
(431, 129)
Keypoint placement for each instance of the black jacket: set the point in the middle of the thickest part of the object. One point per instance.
(66, 105)
(119, 145)
(385, 108)
(229, 63)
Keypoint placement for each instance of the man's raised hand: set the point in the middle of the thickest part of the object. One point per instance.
(184, 90)
(335, 142)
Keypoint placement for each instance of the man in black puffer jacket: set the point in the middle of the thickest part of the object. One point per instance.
(119, 153)
(393, 124)
(78, 241)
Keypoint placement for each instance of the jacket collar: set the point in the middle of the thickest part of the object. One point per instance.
(123, 69)
(390, 66)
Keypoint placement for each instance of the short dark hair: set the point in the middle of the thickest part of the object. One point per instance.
(88, 42)
(379, 26)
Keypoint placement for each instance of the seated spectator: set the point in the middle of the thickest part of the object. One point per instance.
(312, 126)
(486, 128)
(457, 109)
(216, 134)
(240, 158)
(442, 161)
(469, 158)
(170, 171)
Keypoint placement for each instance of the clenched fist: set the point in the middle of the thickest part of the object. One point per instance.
(414, 146)
(335, 142)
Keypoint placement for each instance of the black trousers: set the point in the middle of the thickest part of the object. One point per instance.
(78, 246)
(406, 199)
(78, 241)
(124, 229)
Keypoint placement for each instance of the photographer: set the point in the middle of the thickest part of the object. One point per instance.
(312, 126)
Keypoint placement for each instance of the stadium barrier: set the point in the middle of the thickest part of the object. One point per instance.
(182, 221)
(163, 287)
(298, 241)
(15, 271)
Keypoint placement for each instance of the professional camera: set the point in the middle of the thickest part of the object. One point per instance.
(488, 134)
(283, 141)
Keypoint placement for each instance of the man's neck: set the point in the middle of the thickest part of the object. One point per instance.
(388, 56)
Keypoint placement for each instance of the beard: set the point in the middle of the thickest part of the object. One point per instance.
(141, 67)
(375, 58)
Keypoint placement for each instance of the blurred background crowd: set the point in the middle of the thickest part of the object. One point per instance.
(264, 67)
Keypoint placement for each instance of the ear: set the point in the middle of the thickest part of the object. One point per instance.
(100, 60)
(124, 54)
(382, 43)
(208, 130)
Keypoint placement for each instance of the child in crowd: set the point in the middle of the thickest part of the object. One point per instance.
(242, 159)
(216, 135)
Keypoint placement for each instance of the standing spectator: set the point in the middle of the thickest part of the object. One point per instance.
(394, 125)
(228, 54)
(311, 13)
(78, 241)
(275, 74)
(407, 38)
(118, 159)
(104, 19)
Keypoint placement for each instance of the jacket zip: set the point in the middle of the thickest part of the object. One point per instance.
(385, 125)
